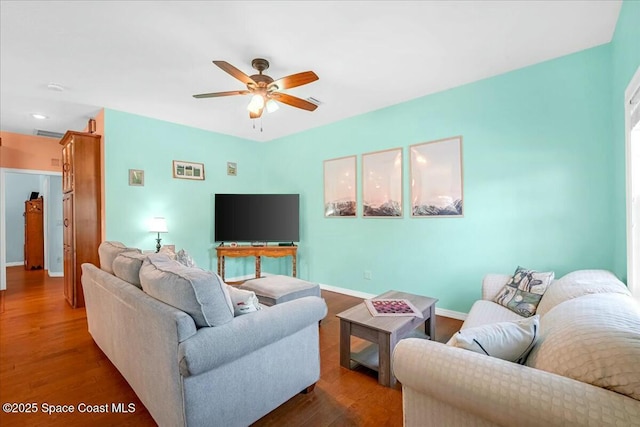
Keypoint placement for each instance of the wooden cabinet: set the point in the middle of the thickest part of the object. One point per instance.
(67, 162)
(67, 249)
(33, 235)
(82, 208)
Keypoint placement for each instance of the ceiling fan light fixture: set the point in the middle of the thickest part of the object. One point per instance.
(263, 88)
(272, 106)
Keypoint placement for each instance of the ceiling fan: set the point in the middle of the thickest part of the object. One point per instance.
(264, 89)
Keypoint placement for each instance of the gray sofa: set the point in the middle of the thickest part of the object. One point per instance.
(230, 374)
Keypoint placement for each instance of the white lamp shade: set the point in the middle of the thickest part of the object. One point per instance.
(256, 104)
(158, 225)
(272, 106)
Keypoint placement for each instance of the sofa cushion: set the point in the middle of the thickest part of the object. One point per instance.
(593, 339)
(109, 250)
(510, 341)
(127, 266)
(483, 312)
(579, 283)
(523, 291)
(198, 292)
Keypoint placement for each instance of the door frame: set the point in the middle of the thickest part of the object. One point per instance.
(3, 225)
(633, 282)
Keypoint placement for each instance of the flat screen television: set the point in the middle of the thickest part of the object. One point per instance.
(257, 217)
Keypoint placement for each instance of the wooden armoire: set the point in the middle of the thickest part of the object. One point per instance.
(33, 234)
(82, 208)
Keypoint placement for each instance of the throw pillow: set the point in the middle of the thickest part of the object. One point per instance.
(108, 251)
(243, 301)
(184, 258)
(197, 292)
(127, 266)
(524, 290)
(510, 341)
(168, 252)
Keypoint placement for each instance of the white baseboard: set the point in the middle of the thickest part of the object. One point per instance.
(350, 292)
(15, 264)
(358, 294)
(451, 314)
(55, 273)
(364, 295)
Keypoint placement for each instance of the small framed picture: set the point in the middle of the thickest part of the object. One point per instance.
(188, 170)
(136, 177)
(232, 168)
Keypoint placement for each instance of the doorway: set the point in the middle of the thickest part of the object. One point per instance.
(49, 185)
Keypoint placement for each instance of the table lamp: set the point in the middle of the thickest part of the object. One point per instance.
(158, 225)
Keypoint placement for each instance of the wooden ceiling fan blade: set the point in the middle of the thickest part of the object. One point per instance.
(225, 66)
(294, 80)
(294, 101)
(217, 94)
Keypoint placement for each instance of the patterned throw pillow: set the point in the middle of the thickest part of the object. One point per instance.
(524, 290)
(185, 259)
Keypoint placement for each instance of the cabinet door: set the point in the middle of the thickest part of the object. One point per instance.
(67, 167)
(68, 249)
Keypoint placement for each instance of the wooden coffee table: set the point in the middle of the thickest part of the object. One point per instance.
(384, 333)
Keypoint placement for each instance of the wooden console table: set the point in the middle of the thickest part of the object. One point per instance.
(257, 252)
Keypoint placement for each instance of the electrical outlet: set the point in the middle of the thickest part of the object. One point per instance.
(367, 275)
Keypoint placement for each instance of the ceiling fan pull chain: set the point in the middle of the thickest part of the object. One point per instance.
(260, 123)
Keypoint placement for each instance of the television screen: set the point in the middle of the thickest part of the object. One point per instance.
(257, 218)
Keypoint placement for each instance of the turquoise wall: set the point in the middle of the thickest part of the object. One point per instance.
(543, 164)
(136, 142)
(537, 167)
(625, 54)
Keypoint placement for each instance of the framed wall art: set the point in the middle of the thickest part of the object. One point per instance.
(136, 177)
(188, 170)
(232, 169)
(436, 178)
(340, 187)
(382, 184)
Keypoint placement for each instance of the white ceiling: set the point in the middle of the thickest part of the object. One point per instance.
(150, 57)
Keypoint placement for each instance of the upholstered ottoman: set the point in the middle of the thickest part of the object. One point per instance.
(272, 290)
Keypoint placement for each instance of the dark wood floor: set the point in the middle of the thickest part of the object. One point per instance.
(48, 357)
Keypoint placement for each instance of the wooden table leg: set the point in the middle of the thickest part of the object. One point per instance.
(221, 267)
(386, 343)
(345, 344)
(294, 264)
(430, 324)
(258, 270)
